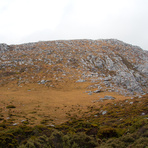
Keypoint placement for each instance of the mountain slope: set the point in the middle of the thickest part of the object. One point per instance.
(109, 65)
(76, 93)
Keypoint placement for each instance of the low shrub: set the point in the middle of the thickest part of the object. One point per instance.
(10, 106)
(107, 132)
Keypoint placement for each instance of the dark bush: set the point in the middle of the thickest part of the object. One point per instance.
(10, 106)
(83, 140)
(107, 132)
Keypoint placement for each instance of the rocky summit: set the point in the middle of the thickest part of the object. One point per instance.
(107, 65)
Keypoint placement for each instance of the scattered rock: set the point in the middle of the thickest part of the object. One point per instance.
(51, 125)
(42, 82)
(104, 112)
(131, 103)
(97, 91)
(94, 101)
(15, 124)
(80, 80)
(90, 93)
(23, 121)
(107, 98)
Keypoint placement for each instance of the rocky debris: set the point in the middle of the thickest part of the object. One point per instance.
(142, 114)
(111, 64)
(90, 93)
(15, 124)
(107, 98)
(81, 80)
(97, 91)
(94, 101)
(3, 48)
(23, 121)
(42, 82)
(51, 125)
(104, 112)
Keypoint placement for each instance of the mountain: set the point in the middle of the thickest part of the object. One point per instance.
(73, 93)
(107, 65)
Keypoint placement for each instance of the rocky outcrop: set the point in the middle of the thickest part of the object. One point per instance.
(110, 64)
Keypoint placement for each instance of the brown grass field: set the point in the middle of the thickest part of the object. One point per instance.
(38, 104)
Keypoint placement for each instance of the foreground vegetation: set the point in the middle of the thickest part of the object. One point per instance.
(122, 124)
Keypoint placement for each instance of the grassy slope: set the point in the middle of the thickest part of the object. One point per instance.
(123, 125)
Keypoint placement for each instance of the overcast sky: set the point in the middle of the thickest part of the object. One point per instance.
(24, 21)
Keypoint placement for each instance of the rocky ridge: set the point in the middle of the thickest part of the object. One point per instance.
(107, 65)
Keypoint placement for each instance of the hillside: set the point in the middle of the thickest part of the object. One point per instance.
(109, 65)
(73, 87)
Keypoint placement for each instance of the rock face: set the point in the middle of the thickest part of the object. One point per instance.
(110, 64)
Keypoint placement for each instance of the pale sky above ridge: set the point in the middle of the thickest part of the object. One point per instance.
(23, 21)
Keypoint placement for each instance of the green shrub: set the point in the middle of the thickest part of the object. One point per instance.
(83, 140)
(56, 139)
(3, 125)
(141, 142)
(128, 138)
(113, 143)
(107, 132)
(8, 140)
